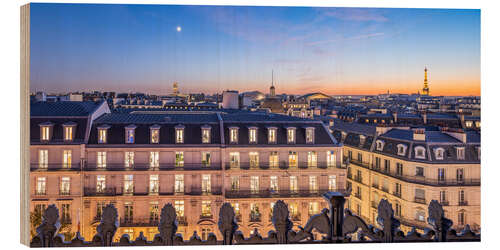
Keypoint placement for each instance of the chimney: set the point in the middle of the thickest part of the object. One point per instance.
(419, 134)
(424, 116)
(395, 115)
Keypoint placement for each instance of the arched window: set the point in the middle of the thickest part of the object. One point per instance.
(439, 153)
(380, 145)
(401, 149)
(420, 152)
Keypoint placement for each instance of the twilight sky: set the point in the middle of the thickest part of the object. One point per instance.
(129, 48)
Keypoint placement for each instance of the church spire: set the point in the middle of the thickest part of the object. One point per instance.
(272, 91)
(425, 90)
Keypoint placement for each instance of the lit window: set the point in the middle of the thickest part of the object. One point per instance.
(205, 134)
(130, 134)
(101, 159)
(294, 210)
(179, 208)
(179, 159)
(128, 184)
(154, 184)
(68, 131)
(468, 124)
(461, 218)
(312, 159)
(330, 158)
(41, 183)
(154, 211)
(292, 159)
(254, 184)
(254, 159)
(235, 183)
(179, 134)
(155, 133)
(271, 136)
(252, 135)
(332, 182)
(310, 135)
(234, 159)
(291, 135)
(100, 183)
(66, 158)
(273, 159)
(65, 213)
(313, 184)
(460, 153)
(129, 159)
(420, 215)
(233, 135)
(65, 186)
(102, 134)
(205, 159)
(274, 184)
(154, 159)
(43, 158)
(313, 208)
(294, 187)
(254, 212)
(205, 184)
(45, 131)
(206, 208)
(179, 183)
(129, 212)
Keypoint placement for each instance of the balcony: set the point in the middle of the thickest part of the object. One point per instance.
(357, 195)
(397, 194)
(36, 167)
(280, 165)
(462, 203)
(420, 200)
(182, 221)
(64, 192)
(374, 204)
(375, 185)
(277, 194)
(40, 192)
(420, 179)
(444, 203)
(358, 178)
(148, 167)
(296, 217)
(206, 217)
(99, 192)
(139, 222)
(254, 217)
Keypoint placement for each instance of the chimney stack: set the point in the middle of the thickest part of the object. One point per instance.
(419, 134)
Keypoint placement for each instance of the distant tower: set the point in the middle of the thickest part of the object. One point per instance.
(175, 87)
(272, 91)
(425, 90)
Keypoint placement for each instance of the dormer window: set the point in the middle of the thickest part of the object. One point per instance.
(362, 140)
(252, 135)
(271, 135)
(102, 133)
(69, 129)
(233, 135)
(205, 134)
(420, 152)
(460, 153)
(179, 134)
(130, 134)
(380, 145)
(46, 131)
(155, 133)
(439, 153)
(310, 135)
(401, 149)
(291, 135)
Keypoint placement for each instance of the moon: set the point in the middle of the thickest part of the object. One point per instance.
(179, 28)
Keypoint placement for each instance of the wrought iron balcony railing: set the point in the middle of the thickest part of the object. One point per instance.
(421, 179)
(38, 167)
(280, 193)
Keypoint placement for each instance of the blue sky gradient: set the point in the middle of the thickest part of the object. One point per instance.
(129, 48)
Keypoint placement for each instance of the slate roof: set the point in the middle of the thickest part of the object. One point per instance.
(69, 108)
(392, 138)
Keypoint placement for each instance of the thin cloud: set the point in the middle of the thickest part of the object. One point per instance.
(355, 14)
(365, 36)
